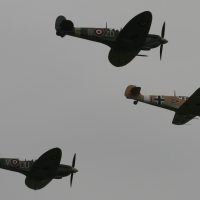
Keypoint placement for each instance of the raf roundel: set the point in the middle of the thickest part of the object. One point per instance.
(142, 23)
(99, 32)
(14, 162)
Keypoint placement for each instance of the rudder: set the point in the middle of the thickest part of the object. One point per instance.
(132, 90)
(63, 24)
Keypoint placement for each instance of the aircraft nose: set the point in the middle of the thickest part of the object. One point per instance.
(164, 41)
(74, 170)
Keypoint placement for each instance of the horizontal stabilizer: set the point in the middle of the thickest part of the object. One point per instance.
(135, 90)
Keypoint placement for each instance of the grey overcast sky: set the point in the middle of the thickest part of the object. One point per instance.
(64, 93)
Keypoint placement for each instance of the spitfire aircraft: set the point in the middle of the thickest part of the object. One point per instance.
(185, 108)
(41, 171)
(125, 44)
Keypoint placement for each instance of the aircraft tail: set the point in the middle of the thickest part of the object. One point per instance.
(132, 90)
(64, 24)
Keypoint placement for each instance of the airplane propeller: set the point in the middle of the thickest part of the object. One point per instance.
(163, 40)
(74, 170)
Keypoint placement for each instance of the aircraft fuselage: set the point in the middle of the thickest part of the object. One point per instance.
(168, 102)
(108, 37)
(24, 167)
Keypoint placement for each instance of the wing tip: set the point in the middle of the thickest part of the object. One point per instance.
(146, 13)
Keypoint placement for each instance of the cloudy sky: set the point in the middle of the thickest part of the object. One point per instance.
(63, 92)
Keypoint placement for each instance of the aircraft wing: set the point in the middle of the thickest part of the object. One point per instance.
(180, 119)
(131, 39)
(120, 58)
(37, 184)
(188, 110)
(48, 163)
(44, 169)
(136, 29)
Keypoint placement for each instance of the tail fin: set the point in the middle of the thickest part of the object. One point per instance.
(132, 89)
(63, 24)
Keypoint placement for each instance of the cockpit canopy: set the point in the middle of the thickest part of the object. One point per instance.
(183, 97)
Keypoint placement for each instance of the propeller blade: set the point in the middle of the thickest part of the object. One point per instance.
(73, 165)
(74, 160)
(161, 48)
(163, 30)
(71, 179)
(163, 40)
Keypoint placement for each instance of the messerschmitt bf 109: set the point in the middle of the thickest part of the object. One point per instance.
(41, 171)
(125, 44)
(185, 108)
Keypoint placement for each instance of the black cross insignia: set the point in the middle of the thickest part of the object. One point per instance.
(159, 100)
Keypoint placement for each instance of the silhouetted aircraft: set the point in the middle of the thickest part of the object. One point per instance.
(41, 171)
(185, 108)
(125, 44)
